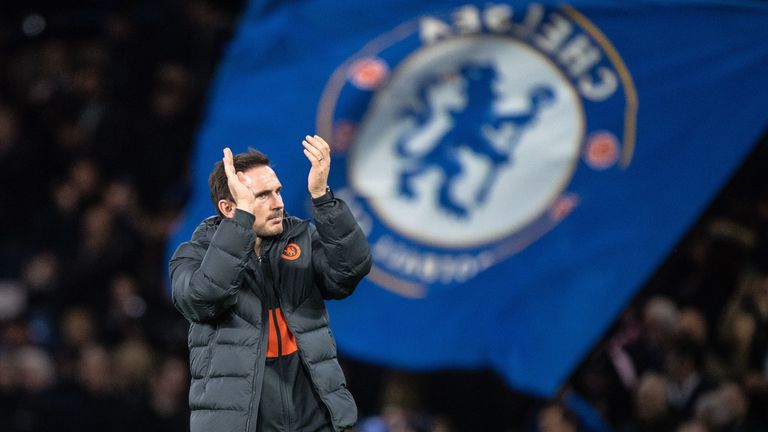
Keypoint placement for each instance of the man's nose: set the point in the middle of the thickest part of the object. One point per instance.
(277, 201)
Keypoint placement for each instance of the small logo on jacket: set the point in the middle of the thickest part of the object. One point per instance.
(292, 252)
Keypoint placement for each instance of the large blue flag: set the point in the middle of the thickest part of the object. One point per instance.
(519, 168)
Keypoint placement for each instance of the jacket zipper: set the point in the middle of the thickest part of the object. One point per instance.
(302, 357)
(280, 365)
(281, 369)
(253, 381)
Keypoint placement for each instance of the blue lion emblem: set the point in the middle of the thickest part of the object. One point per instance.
(467, 132)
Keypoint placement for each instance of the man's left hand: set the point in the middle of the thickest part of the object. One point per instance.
(318, 152)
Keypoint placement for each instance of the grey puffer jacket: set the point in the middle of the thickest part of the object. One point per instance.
(213, 288)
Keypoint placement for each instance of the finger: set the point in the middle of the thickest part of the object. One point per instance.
(311, 141)
(312, 158)
(317, 154)
(323, 145)
(325, 148)
(319, 145)
(312, 149)
(229, 165)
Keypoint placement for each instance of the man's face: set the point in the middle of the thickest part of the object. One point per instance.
(268, 207)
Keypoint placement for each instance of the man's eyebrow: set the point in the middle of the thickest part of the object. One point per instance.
(267, 190)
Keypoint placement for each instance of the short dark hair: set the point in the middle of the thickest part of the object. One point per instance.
(218, 179)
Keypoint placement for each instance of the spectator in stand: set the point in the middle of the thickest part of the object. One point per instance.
(661, 319)
(166, 408)
(692, 426)
(685, 381)
(556, 418)
(652, 411)
(744, 331)
(723, 409)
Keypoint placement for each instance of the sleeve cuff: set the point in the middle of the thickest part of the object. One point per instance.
(244, 218)
(324, 199)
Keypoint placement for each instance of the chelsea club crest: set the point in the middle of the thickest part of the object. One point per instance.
(460, 135)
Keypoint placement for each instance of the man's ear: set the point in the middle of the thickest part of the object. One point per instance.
(227, 208)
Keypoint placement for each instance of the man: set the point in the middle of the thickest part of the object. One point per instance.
(252, 283)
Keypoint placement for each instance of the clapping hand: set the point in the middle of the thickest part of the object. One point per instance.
(239, 183)
(318, 152)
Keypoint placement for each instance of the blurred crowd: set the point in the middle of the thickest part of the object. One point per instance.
(98, 109)
(99, 103)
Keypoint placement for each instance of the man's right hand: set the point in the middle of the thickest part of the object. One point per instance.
(238, 183)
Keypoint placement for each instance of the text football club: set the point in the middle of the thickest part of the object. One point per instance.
(460, 132)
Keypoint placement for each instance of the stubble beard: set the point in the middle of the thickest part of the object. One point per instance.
(270, 231)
